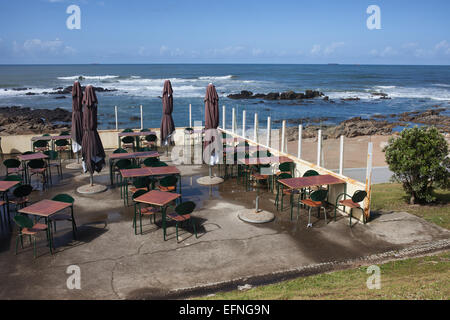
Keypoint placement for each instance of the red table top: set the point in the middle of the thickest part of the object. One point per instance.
(305, 182)
(46, 138)
(6, 185)
(155, 171)
(157, 198)
(45, 208)
(135, 134)
(134, 155)
(32, 156)
(135, 173)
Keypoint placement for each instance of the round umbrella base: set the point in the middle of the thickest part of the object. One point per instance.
(88, 189)
(251, 216)
(74, 166)
(209, 181)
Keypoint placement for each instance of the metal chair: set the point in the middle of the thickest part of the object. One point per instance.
(316, 200)
(54, 156)
(147, 211)
(182, 214)
(21, 194)
(28, 228)
(150, 141)
(13, 166)
(129, 142)
(40, 146)
(64, 216)
(352, 203)
(38, 167)
(281, 192)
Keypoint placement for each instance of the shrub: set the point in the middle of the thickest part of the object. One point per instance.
(419, 160)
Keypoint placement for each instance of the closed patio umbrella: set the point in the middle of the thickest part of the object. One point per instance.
(210, 153)
(92, 151)
(167, 125)
(77, 117)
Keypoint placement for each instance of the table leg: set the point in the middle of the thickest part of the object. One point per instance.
(163, 214)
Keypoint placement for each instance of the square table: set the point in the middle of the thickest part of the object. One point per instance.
(129, 155)
(45, 209)
(159, 199)
(163, 171)
(5, 186)
(28, 157)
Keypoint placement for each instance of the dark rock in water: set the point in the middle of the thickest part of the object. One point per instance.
(20, 89)
(68, 90)
(326, 98)
(350, 99)
(30, 94)
(380, 94)
(288, 95)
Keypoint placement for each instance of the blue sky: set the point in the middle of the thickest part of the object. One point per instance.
(231, 31)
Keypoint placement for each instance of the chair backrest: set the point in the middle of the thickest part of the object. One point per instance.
(168, 181)
(22, 191)
(285, 166)
(52, 155)
(359, 196)
(185, 208)
(40, 144)
(284, 175)
(142, 182)
(128, 139)
(310, 173)
(62, 143)
(120, 150)
(160, 164)
(46, 135)
(11, 163)
(62, 197)
(151, 138)
(36, 164)
(123, 164)
(127, 130)
(138, 194)
(319, 195)
(23, 221)
(150, 161)
(28, 152)
(64, 133)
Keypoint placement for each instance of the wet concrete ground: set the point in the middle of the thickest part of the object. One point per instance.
(117, 264)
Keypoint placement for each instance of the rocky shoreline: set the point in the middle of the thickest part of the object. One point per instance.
(17, 120)
(60, 91)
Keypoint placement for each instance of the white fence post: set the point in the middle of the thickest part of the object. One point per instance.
(341, 156)
(117, 118)
(233, 120)
(223, 117)
(269, 136)
(190, 116)
(299, 148)
(142, 119)
(319, 147)
(283, 135)
(243, 124)
(255, 129)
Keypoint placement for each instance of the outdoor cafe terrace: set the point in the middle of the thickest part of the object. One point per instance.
(167, 225)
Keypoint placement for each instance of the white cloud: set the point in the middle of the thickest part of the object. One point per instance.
(38, 47)
(163, 50)
(315, 49)
(332, 47)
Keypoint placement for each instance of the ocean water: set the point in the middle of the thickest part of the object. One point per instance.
(410, 88)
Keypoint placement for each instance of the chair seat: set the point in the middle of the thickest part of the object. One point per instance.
(35, 229)
(290, 191)
(349, 203)
(19, 200)
(62, 148)
(128, 145)
(280, 172)
(178, 218)
(311, 203)
(169, 188)
(258, 176)
(148, 211)
(14, 170)
(41, 149)
(134, 189)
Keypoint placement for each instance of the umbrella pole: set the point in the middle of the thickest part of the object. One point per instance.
(210, 171)
(91, 179)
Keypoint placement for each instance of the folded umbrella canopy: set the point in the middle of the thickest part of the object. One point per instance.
(211, 122)
(92, 151)
(167, 125)
(77, 117)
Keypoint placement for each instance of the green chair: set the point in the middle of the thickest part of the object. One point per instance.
(63, 145)
(159, 164)
(120, 150)
(129, 142)
(168, 184)
(150, 162)
(182, 214)
(281, 191)
(21, 194)
(150, 141)
(121, 165)
(13, 166)
(54, 161)
(141, 210)
(64, 133)
(352, 203)
(64, 216)
(28, 228)
(40, 146)
(305, 192)
(316, 200)
(142, 183)
(257, 175)
(127, 130)
(13, 177)
(38, 167)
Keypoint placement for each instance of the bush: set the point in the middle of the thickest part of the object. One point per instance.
(418, 159)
